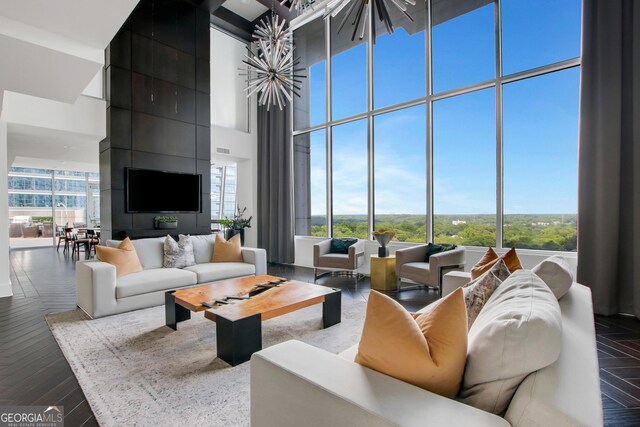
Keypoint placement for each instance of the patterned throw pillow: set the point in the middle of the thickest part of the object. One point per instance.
(478, 291)
(341, 246)
(178, 254)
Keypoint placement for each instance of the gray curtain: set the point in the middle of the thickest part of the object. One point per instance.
(275, 201)
(609, 158)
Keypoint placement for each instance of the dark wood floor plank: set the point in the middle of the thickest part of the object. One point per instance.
(622, 417)
(626, 373)
(620, 390)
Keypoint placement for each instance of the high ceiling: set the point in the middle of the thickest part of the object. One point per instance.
(51, 51)
(248, 9)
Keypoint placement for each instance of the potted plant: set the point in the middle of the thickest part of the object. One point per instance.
(236, 225)
(165, 222)
(383, 237)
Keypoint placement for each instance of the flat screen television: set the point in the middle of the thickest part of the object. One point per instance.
(153, 191)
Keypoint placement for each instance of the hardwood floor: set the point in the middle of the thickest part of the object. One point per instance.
(34, 371)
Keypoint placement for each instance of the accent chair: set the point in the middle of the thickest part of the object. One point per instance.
(324, 259)
(411, 265)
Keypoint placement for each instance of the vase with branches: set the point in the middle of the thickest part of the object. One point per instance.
(237, 224)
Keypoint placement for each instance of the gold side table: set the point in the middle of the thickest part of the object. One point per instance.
(383, 273)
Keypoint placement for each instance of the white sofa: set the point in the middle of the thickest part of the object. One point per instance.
(100, 293)
(295, 384)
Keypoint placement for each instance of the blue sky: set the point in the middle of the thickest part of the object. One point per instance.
(540, 117)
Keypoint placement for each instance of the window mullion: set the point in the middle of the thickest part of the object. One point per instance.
(370, 133)
(429, 122)
(499, 145)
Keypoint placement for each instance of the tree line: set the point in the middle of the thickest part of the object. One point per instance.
(527, 231)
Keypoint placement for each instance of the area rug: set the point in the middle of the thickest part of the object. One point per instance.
(136, 371)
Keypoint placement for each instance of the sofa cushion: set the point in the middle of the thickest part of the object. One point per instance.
(150, 251)
(123, 257)
(478, 291)
(428, 352)
(518, 332)
(416, 271)
(227, 250)
(334, 261)
(178, 254)
(152, 280)
(212, 271)
(202, 248)
(556, 273)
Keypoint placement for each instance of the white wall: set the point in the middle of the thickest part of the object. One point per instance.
(5, 283)
(229, 104)
(241, 144)
(528, 258)
(95, 88)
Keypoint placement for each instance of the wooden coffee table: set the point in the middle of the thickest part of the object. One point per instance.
(239, 323)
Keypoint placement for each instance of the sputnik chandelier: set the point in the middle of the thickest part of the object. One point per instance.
(360, 11)
(271, 74)
(271, 68)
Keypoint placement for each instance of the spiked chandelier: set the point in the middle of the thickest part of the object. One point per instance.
(270, 67)
(359, 11)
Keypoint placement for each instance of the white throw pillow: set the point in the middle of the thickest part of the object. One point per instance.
(518, 331)
(203, 247)
(556, 272)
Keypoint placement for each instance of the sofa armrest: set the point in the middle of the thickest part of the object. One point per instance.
(257, 257)
(319, 249)
(96, 287)
(407, 255)
(442, 262)
(454, 280)
(294, 384)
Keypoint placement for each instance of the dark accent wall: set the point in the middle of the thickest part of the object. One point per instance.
(157, 90)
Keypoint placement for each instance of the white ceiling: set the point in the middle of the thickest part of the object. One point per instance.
(51, 50)
(37, 70)
(30, 146)
(248, 9)
(92, 22)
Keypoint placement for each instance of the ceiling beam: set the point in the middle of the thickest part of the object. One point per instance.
(282, 11)
(234, 24)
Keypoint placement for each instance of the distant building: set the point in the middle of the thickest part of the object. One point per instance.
(458, 222)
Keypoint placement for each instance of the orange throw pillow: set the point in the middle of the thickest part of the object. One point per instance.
(124, 257)
(429, 352)
(227, 250)
(491, 258)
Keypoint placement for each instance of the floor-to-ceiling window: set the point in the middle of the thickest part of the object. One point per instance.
(223, 191)
(42, 199)
(459, 127)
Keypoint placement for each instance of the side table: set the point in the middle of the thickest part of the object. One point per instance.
(383, 273)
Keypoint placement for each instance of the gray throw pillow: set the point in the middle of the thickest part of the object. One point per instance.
(178, 254)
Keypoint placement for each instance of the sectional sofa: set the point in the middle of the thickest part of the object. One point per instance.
(100, 293)
(295, 384)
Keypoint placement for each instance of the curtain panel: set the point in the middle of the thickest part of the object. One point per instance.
(275, 201)
(609, 156)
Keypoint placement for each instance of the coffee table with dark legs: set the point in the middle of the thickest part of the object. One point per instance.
(239, 323)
